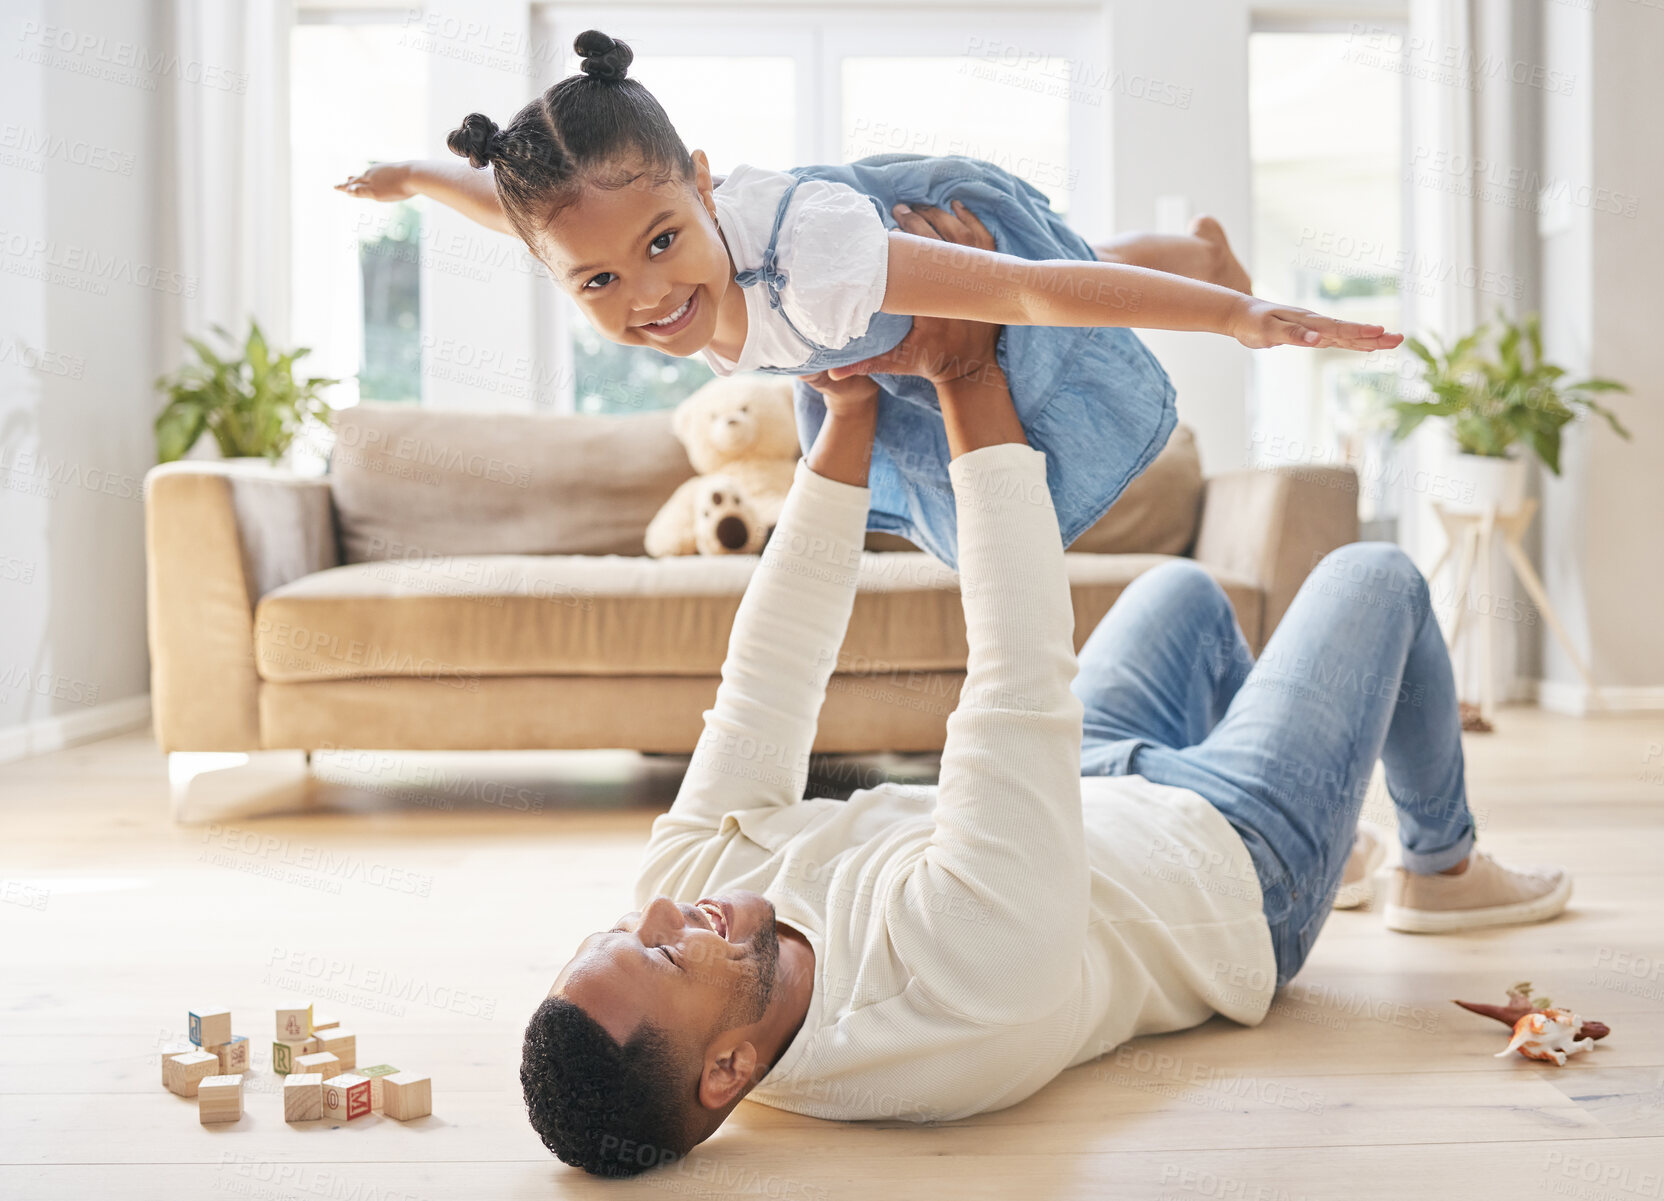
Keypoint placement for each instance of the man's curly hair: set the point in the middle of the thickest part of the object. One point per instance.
(598, 1105)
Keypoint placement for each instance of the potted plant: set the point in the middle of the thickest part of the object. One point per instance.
(1497, 393)
(249, 400)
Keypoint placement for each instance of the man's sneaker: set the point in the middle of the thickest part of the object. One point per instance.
(1487, 894)
(1357, 883)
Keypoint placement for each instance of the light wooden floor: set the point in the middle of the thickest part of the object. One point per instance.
(432, 921)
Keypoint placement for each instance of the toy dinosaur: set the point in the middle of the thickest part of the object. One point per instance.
(1544, 1039)
(1549, 1035)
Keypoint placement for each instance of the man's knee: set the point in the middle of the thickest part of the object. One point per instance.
(1189, 603)
(1182, 583)
(1381, 567)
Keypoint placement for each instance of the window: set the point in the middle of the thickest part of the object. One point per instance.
(961, 104)
(1326, 132)
(358, 93)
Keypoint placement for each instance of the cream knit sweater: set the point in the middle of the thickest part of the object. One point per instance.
(975, 938)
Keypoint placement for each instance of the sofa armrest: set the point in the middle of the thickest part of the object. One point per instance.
(219, 536)
(1274, 525)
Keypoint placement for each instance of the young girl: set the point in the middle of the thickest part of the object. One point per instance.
(804, 272)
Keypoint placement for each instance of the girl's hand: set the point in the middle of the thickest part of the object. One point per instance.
(380, 181)
(1258, 324)
(853, 397)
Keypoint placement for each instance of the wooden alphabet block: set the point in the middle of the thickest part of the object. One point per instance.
(233, 1056)
(343, 1044)
(321, 1062)
(320, 1022)
(185, 1072)
(375, 1075)
(284, 1054)
(169, 1050)
(406, 1095)
(210, 1026)
(303, 1097)
(346, 1096)
(294, 1025)
(219, 1099)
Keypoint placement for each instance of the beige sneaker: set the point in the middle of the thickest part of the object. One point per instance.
(1487, 894)
(1357, 883)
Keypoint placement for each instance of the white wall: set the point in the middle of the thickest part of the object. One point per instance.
(1180, 129)
(86, 289)
(1603, 536)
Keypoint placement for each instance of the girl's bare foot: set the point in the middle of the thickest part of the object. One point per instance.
(1228, 271)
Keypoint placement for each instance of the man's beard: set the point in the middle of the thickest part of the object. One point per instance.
(751, 1003)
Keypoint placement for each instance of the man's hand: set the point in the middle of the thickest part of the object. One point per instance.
(1258, 324)
(938, 348)
(844, 397)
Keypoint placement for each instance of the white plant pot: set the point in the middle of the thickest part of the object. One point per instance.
(1485, 483)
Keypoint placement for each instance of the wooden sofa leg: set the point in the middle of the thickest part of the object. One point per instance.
(213, 785)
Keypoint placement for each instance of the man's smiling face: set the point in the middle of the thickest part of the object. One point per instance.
(691, 970)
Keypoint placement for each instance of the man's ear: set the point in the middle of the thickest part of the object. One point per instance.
(727, 1074)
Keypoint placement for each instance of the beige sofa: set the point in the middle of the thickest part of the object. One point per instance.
(468, 581)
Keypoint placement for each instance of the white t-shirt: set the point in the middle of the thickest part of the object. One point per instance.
(975, 938)
(834, 251)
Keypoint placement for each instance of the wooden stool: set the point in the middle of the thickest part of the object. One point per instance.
(1471, 536)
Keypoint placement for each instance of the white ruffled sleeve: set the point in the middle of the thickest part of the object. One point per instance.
(835, 252)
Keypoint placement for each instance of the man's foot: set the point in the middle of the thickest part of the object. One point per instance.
(1228, 271)
(1357, 883)
(1486, 894)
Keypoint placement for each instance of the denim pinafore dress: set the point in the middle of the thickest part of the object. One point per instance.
(1094, 400)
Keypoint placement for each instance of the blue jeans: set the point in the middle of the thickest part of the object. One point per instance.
(1357, 671)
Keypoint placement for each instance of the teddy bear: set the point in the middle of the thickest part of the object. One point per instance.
(741, 437)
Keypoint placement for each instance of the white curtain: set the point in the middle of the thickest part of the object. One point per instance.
(1464, 111)
(232, 151)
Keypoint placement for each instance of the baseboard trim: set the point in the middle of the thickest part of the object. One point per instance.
(1575, 700)
(71, 729)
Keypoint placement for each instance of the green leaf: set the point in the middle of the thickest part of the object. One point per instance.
(1419, 348)
(177, 428)
(1597, 385)
(1547, 446)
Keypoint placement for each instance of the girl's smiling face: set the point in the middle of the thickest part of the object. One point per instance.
(645, 261)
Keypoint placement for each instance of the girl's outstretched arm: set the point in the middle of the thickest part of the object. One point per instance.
(929, 278)
(453, 183)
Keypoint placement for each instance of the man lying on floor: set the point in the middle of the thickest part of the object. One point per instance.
(930, 953)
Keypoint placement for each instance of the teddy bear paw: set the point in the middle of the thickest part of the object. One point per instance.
(724, 522)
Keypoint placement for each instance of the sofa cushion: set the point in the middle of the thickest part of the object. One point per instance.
(412, 481)
(516, 615)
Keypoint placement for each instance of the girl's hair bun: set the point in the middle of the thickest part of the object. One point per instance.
(476, 139)
(605, 58)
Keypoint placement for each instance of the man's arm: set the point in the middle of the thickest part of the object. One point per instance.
(992, 917)
(754, 751)
(1008, 851)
